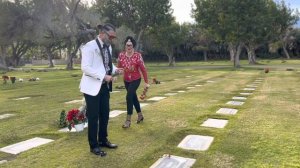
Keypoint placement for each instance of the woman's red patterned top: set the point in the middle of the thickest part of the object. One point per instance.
(132, 66)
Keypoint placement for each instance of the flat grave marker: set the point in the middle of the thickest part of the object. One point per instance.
(6, 116)
(252, 86)
(23, 98)
(246, 94)
(156, 98)
(3, 161)
(170, 94)
(143, 104)
(66, 129)
(249, 89)
(235, 103)
(74, 101)
(116, 113)
(215, 123)
(196, 142)
(228, 111)
(25, 145)
(171, 161)
(239, 98)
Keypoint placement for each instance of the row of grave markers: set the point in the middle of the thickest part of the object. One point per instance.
(200, 142)
(190, 142)
(37, 141)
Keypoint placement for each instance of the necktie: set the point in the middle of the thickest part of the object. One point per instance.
(108, 63)
(106, 58)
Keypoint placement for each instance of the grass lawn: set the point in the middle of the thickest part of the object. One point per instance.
(264, 133)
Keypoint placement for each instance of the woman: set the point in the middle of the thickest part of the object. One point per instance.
(132, 63)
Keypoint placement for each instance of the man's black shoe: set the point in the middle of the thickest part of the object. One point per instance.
(97, 151)
(108, 144)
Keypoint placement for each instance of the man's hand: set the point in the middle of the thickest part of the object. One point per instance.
(119, 70)
(108, 78)
(114, 79)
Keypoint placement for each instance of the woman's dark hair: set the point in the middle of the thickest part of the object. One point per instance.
(131, 39)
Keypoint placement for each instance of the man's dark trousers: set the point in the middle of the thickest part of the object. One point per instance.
(98, 112)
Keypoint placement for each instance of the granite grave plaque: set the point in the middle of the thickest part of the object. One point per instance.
(196, 142)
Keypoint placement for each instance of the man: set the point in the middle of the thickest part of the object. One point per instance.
(96, 83)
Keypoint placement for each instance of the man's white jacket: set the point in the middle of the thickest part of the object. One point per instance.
(93, 68)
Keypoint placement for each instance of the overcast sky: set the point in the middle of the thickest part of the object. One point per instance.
(182, 8)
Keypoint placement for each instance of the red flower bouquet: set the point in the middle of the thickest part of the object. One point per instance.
(74, 117)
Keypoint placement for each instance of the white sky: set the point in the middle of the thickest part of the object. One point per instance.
(183, 8)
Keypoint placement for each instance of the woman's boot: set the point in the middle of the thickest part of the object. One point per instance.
(140, 118)
(127, 122)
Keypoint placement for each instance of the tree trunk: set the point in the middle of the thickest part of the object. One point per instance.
(236, 50)
(2, 58)
(14, 57)
(17, 61)
(251, 54)
(50, 57)
(138, 44)
(71, 56)
(171, 58)
(231, 51)
(18, 50)
(205, 55)
(285, 51)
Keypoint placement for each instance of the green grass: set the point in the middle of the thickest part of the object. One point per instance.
(264, 133)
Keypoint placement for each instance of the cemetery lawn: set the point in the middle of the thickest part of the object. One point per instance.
(265, 132)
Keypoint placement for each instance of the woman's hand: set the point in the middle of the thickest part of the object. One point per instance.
(147, 85)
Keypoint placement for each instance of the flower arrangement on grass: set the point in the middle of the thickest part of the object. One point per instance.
(155, 81)
(5, 78)
(12, 79)
(267, 70)
(62, 119)
(74, 117)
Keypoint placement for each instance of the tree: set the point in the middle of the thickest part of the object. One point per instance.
(50, 29)
(79, 28)
(284, 22)
(247, 23)
(295, 42)
(203, 41)
(224, 20)
(138, 15)
(260, 31)
(168, 37)
(16, 30)
(64, 24)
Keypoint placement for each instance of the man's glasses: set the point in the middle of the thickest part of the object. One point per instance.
(111, 37)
